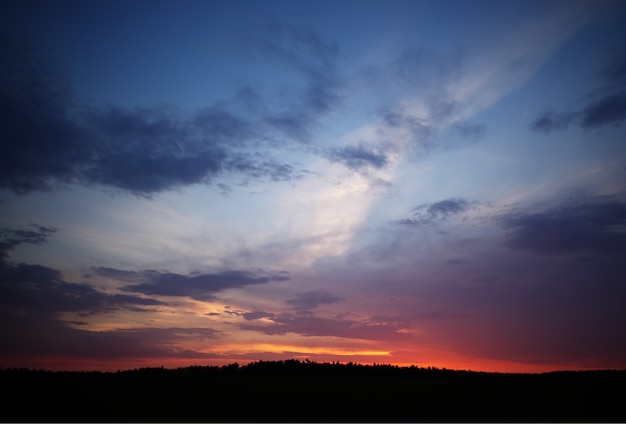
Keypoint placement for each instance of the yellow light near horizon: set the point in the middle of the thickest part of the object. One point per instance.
(238, 349)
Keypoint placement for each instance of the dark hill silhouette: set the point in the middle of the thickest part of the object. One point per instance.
(293, 390)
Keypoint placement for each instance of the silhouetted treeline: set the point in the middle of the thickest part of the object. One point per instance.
(294, 390)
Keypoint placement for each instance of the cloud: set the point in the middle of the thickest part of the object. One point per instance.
(313, 59)
(551, 120)
(588, 225)
(419, 129)
(29, 337)
(52, 141)
(606, 105)
(40, 289)
(200, 287)
(357, 157)
(432, 213)
(610, 109)
(304, 302)
(11, 238)
(309, 325)
(251, 316)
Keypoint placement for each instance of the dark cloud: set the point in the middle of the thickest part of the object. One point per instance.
(34, 297)
(432, 213)
(43, 290)
(11, 238)
(50, 140)
(29, 337)
(259, 166)
(584, 225)
(607, 110)
(200, 287)
(251, 316)
(605, 105)
(310, 300)
(357, 157)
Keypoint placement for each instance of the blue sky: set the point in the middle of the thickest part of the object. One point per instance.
(432, 183)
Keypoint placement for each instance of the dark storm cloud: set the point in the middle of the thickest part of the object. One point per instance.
(432, 213)
(310, 300)
(604, 106)
(587, 225)
(49, 140)
(200, 287)
(357, 157)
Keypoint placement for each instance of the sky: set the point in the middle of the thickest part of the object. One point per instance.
(429, 183)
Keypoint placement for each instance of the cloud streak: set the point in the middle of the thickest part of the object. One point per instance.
(604, 106)
(200, 287)
(305, 302)
(433, 213)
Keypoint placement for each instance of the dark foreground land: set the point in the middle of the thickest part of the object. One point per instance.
(308, 391)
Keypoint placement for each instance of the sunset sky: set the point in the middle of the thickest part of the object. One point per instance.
(439, 183)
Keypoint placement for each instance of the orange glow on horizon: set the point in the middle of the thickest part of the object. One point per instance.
(58, 363)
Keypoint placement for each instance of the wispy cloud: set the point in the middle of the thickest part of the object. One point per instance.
(197, 286)
(305, 302)
(433, 213)
(357, 157)
(605, 105)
